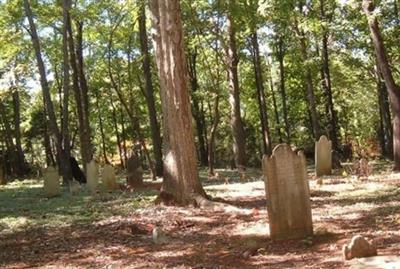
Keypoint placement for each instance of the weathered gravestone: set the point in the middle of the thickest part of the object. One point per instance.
(92, 170)
(323, 157)
(134, 171)
(288, 194)
(108, 177)
(51, 184)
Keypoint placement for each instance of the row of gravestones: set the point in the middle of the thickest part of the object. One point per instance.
(52, 179)
(287, 189)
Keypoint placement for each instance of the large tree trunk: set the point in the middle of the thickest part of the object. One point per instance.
(154, 127)
(261, 95)
(181, 179)
(46, 93)
(239, 138)
(392, 88)
(327, 85)
(281, 57)
(198, 115)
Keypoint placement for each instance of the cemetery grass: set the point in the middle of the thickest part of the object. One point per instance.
(113, 230)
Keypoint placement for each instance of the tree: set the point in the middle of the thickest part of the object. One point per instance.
(181, 180)
(154, 127)
(391, 86)
(238, 134)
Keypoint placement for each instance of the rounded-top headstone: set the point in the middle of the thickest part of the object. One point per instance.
(92, 170)
(288, 194)
(323, 156)
(108, 177)
(51, 184)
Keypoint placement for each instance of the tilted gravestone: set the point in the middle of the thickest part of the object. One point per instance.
(92, 170)
(134, 171)
(108, 177)
(323, 157)
(288, 194)
(51, 185)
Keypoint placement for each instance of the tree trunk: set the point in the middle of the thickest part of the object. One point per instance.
(87, 148)
(181, 180)
(103, 137)
(391, 86)
(239, 139)
(46, 92)
(115, 122)
(211, 139)
(23, 166)
(200, 124)
(316, 129)
(281, 57)
(327, 85)
(11, 148)
(154, 127)
(66, 150)
(124, 137)
(261, 95)
(385, 131)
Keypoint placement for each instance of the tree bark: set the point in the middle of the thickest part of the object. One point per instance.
(11, 148)
(281, 57)
(154, 126)
(23, 166)
(200, 123)
(213, 134)
(261, 95)
(391, 86)
(239, 138)
(55, 131)
(181, 180)
(327, 85)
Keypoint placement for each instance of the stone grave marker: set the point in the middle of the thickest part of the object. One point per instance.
(108, 177)
(323, 157)
(288, 194)
(134, 171)
(51, 185)
(92, 170)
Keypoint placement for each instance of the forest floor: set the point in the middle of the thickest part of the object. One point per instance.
(114, 230)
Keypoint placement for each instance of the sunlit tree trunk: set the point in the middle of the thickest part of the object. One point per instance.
(181, 180)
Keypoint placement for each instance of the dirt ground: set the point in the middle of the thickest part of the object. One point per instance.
(197, 238)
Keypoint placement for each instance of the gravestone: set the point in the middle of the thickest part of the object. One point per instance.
(323, 157)
(108, 177)
(134, 171)
(74, 187)
(288, 194)
(92, 170)
(51, 185)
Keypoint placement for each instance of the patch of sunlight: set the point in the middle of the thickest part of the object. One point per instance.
(259, 228)
(12, 224)
(367, 190)
(238, 189)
